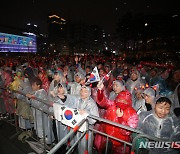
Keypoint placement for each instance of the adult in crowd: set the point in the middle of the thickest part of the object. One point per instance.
(76, 85)
(66, 100)
(42, 121)
(119, 110)
(57, 77)
(86, 105)
(134, 81)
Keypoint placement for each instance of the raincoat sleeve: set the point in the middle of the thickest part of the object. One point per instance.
(69, 76)
(93, 110)
(141, 118)
(94, 93)
(40, 105)
(130, 118)
(25, 88)
(51, 88)
(110, 83)
(102, 99)
(176, 133)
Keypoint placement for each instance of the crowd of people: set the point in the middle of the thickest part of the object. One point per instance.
(144, 96)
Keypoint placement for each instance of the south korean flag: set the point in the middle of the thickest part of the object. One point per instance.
(94, 76)
(70, 117)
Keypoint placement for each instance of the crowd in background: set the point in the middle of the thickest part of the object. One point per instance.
(141, 95)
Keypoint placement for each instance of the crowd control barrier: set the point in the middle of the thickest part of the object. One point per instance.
(40, 145)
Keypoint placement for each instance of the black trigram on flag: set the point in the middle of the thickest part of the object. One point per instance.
(63, 107)
(75, 112)
(61, 117)
(74, 122)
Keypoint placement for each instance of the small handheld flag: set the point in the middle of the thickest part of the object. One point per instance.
(106, 77)
(94, 76)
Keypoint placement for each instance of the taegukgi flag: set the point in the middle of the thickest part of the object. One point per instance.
(106, 77)
(69, 117)
(94, 76)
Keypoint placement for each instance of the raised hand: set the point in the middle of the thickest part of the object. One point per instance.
(100, 85)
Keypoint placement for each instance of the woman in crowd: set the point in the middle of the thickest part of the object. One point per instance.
(66, 100)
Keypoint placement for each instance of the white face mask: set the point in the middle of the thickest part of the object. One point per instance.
(125, 74)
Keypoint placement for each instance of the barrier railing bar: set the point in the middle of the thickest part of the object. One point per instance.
(115, 124)
(90, 116)
(86, 138)
(107, 140)
(96, 131)
(57, 146)
(124, 149)
(51, 136)
(72, 147)
(38, 99)
(35, 121)
(44, 137)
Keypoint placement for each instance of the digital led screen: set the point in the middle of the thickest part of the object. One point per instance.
(17, 43)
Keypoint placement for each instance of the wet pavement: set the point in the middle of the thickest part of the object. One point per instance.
(9, 143)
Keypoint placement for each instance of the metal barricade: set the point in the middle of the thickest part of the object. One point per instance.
(51, 149)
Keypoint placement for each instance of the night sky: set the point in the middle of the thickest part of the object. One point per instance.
(17, 13)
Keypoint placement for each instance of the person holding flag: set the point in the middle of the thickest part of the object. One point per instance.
(118, 110)
(65, 100)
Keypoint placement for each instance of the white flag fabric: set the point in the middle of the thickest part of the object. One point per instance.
(94, 76)
(69, 116)
(57, 111)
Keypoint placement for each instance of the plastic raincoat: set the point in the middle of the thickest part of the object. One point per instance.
(90, 107)
(129, 117)
(71, 102)
(168, 129)
(42, 121)
(23, 108)
(10, 107)
(131, 85)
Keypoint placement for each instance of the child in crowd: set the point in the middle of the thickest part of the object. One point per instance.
(159, 123)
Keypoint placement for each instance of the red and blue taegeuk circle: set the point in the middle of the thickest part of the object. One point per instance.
(68, 114)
